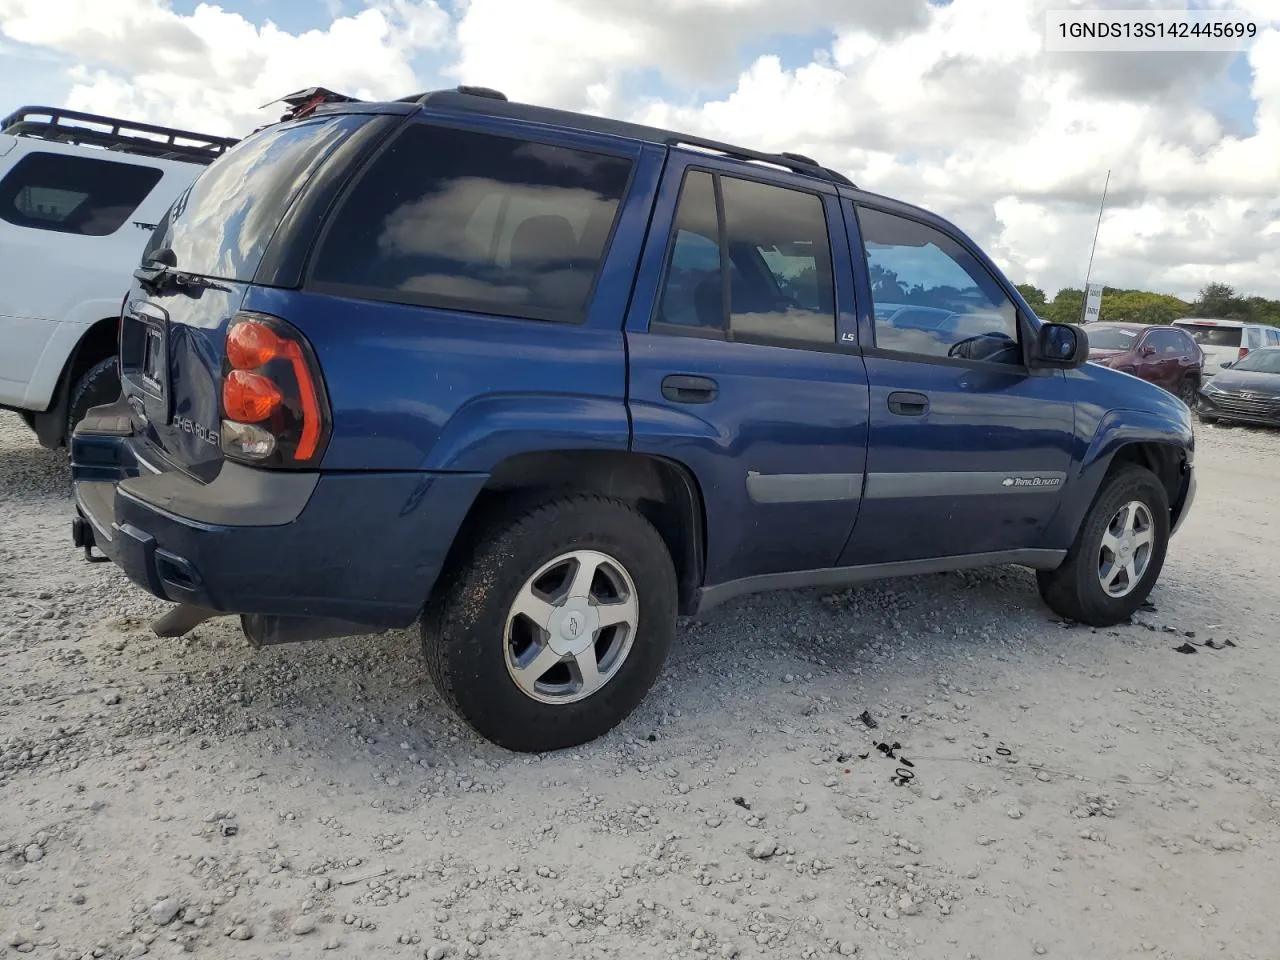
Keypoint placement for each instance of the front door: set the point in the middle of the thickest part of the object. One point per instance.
(736, 367)
(969, 448)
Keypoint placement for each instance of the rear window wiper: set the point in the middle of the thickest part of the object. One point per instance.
(159, 272)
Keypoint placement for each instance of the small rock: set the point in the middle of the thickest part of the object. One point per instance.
(438, 952)
(163, 912)
(907, 907)
(1015, 813)
(33, 853)
(935, 794)
(240, 933)
(322, 883)
(303, 925)
(891, 914)
(847, 948)
(1229, 827)
(333, 943)
(1041, 949)
(111, 699)
(763, 849)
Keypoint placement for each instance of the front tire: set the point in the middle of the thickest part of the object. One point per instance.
(555, 626)
(1117, 555)
(1188, 392)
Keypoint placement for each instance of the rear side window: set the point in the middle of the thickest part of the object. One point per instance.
(471, 221)
(71, 194)
(779, 273)
(221, 225)
(1210, 336)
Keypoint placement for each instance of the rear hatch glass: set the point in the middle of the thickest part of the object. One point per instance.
(1209, 335)
(171, 343)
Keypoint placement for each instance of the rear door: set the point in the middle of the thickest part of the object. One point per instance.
(743, 362)
(172, 342)
(968, 448)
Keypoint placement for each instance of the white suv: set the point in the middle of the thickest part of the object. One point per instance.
(79, 197)
(1226, 341)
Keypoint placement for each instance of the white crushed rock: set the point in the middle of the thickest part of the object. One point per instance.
(1075, 792)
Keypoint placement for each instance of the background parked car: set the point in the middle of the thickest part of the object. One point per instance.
(1248, 391)
(79, 196)
(1226, 341)
(1163, 355)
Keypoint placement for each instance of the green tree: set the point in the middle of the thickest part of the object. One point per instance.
(1219, 300)
(1034, 296)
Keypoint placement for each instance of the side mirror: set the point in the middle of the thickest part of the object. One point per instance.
(1227, 363)
(1147, 351)
(1060, 345)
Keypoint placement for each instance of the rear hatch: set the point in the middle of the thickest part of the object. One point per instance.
(1221, 343)
(213, 238)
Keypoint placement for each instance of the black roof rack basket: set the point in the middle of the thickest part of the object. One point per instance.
(111, 133)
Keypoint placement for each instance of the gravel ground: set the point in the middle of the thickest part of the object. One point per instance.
(1076, 793)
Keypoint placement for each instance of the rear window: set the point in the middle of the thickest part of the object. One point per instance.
(470, 221)
(221, 225)
(71, 194)
(1211, 336)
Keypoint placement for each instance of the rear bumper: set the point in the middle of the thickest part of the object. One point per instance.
(365, 548)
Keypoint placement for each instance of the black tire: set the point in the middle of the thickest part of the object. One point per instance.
(98, 385)
(1073, 590)
(1188, 391)
(464, 623)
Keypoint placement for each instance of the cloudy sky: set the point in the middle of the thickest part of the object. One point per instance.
(952, 104)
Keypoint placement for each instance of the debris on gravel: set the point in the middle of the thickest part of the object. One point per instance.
(925, 767)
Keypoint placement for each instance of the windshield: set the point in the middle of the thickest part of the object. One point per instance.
(221, 225)
(1111, 338)
(1260, 361)
(1210, 336)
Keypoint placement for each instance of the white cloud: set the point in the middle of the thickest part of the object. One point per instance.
(956, 108)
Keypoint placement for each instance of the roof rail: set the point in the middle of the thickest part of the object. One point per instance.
(123, 136)
(795, 162)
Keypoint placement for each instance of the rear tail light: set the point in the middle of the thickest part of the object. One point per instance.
(274, 407)
(1244, 352)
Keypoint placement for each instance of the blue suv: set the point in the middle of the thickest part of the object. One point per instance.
(541, 382)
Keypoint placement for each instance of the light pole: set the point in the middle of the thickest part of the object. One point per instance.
(1084, 309)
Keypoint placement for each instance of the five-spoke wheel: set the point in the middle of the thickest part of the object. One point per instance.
(553, 627)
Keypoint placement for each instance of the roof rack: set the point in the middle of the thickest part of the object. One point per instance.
(795, 162)
(123, 136)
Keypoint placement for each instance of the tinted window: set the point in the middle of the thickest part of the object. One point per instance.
(1208, 335)
(692, 294)
(221, 225)
(84, 195)
(472, 221)
(1273, 336)
(781, 287)
(930, 294)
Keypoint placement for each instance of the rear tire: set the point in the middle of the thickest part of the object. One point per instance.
(1188, 391)
(1076, 589)
(522, 678)
(98, 385)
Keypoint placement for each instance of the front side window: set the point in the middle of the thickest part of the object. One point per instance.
(73, 194)
(476, 222)
(931, 297)
(779, 288)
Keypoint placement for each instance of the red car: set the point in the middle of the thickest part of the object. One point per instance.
(1164, 355)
